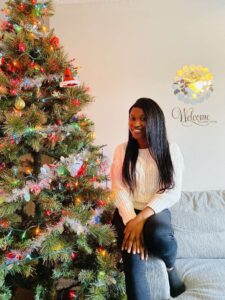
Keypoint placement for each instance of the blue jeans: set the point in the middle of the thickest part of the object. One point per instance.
(159, 240)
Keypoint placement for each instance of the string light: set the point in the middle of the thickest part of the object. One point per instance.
(37, 231)
(44, 29)
(77, 200)
(28, 170)
(102, 251)
(15, 63)
(31, 34)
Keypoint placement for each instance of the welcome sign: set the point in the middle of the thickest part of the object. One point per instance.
(193, 84)
(188, 117)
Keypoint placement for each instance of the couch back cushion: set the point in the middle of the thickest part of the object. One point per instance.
(199, 224)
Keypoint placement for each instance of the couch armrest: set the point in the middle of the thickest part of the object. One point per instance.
(158, 279)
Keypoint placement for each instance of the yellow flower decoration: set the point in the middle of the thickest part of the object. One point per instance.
(193, 82)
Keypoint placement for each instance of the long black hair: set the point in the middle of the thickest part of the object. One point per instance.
(157, 144)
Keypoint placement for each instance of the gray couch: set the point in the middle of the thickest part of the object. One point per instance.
(199, 224)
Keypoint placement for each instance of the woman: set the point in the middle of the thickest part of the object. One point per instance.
(146, 176)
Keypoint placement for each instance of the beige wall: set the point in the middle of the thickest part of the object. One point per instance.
(132, 48)
(129, 49)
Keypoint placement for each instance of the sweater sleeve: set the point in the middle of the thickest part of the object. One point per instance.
(168, 198)
(121, 192)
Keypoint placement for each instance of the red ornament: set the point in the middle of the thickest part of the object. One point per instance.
(65, 212)
(13, 92)
(72, 294)
(32, 64)
(54, 138)
(76, 102)
(51, 166)
(18, 256)
(10, 68)
(68, 79)
(21, 47)
(15, 82)
(42, 70)
(22, 7)
(34, 2)
(4, 223)
(7, 26)
(54, 41)
(101, 203)
(48, 213)
(81, 171)
(74, 255)
(10, 255)
(2, 61)
(59, 122)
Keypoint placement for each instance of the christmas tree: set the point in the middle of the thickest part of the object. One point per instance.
(55, 205)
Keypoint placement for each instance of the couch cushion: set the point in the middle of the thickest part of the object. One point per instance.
(157, 278)
(199, 223)
(203, 278)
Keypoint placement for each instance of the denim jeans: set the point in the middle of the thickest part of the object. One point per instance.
(159, 240)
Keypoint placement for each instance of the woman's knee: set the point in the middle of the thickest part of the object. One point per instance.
(164, 240)
(158, 232)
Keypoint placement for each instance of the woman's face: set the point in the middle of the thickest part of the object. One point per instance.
(137, 125)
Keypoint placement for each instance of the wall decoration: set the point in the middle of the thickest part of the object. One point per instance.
(193, 84)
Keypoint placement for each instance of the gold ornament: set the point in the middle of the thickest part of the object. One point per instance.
(3, 90)
(92, 136)
(19, 104)
(29, 210)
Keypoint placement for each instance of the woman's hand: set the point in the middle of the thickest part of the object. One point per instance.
(133, 238)
(133, 233)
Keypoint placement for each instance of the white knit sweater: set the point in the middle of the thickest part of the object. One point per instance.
(147, 178)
